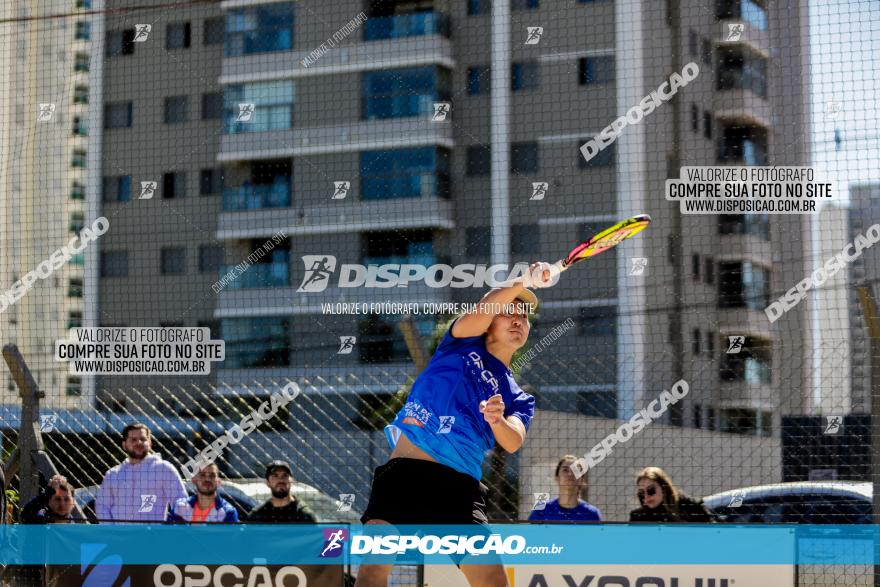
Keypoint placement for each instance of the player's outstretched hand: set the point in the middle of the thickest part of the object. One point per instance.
(542, 275)
(493, 409)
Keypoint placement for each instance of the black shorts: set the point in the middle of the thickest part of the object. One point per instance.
(413, 491)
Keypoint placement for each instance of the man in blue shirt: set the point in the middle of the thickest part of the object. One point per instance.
(568, 506)
(460, 406)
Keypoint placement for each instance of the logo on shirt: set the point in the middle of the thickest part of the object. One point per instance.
(147, 503)
(333, 541)
(446, 423)
(486, 375)
(415, 414)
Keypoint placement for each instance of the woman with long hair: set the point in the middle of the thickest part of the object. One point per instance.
(662, 502)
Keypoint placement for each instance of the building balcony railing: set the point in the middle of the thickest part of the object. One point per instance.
(257, 197)
(406, 25)
(259, 275)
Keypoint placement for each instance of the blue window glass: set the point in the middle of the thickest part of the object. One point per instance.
(403, 92)
(256, 342)
(398, 26)
(479, 7)
(404, 173)
(478, 80)
(260, 29)
(272, 106)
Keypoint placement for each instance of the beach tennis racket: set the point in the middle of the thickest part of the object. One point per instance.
(607, 239)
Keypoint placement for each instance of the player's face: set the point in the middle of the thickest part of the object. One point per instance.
(137, 444)
(650, 492)
(279, 482)
(512, 326)
(207, 480)
(61, 503)
(566, 477)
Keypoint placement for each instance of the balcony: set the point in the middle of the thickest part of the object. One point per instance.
(258, 197)
(422, 212)
(354, 137)
(400, 26)
(260, 275)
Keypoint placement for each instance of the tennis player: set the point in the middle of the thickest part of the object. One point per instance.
(464, 402)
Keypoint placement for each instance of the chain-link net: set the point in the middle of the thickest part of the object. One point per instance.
(273, 210)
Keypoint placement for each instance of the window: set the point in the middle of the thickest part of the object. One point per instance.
(404, 246)
(479, 80)
(695, 118)
(404, 173)
(273, 106)
(175, 109)
(403, 93)
(695, 342)
(120, 42)
(173, 185)
(80, 126)
(210, 181)
(86, 4)
(604, 158)
(741, 69)
(710, 418)
(698, 416)
(380, 339)
(114, 263)
(173, 261)
(212, 106)
(709, 270)
(693, 43)
(256, 342)
(81, 62)
(259, 29)
(710, 344)
(210, 258)
(739, 421)
(525, 239)
(695, 266)
(77, 222)
(83, 30)
(743, 285)
(213, 30)
(117, 189)
(74, 386)
(756, 224)
(81, 94)
(524, 4)
(751, 365)
(117, 115)
(479, 160)
(595, 70)
(524, 157)
(477, 241)
(79, 158)
(479, 7)
(743, 144)
(707, 124)
(177, 35)
(525, 76)
(212, 325)
(707, 52)
(75, 288)
(597, 321)
(77, 191)
(751, 11)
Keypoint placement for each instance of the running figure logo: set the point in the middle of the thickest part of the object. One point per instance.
(319, 268)
(833, 110)
(534, 35)
(833, 424)
(143, 31)
(340, 189)
(639, 264)
(441, 110)
(46, 112)
(148, 188)
(333, 540)
(147, 503)
(541, 500)
(346, 345)
(47, 422)
(245, 112)
(346, 500)
(539, 190)
(736, 500)
(736, 344)
(446, 423)
(734, 31)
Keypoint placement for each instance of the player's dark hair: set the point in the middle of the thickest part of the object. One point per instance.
(135, 426)
(662, 478)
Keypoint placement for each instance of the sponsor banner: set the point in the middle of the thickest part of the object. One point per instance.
(628, 576)
(561, 544)
(109, 573)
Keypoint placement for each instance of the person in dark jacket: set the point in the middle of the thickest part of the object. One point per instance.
(282, 507)
(662, 502)
(54, 504)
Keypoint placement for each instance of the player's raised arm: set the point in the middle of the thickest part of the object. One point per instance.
(476, 322)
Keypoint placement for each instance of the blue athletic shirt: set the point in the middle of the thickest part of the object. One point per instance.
(442, 412)
(582, 512)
